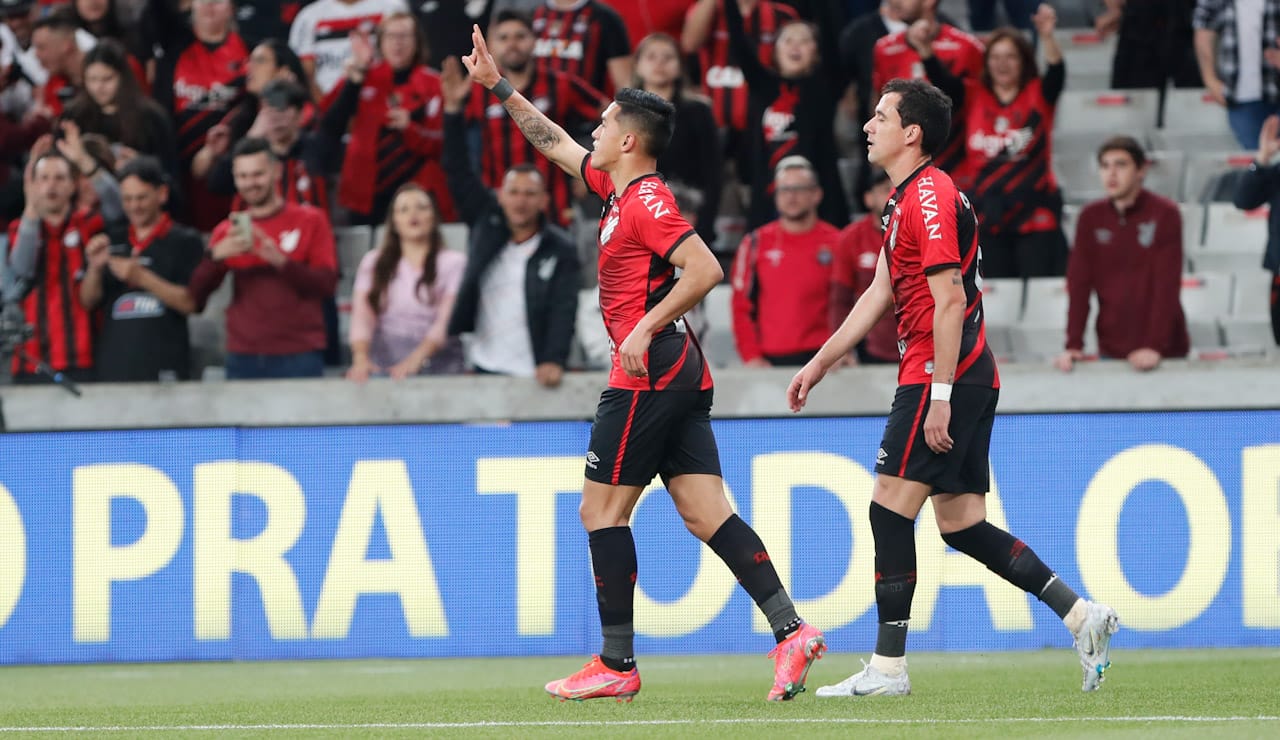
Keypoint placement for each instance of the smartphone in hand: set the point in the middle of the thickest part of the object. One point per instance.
(242, 224)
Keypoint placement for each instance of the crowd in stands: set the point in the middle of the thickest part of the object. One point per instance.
(153, 150)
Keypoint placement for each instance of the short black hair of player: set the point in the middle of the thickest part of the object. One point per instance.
(921, 104)
(652, 116)
(1124, 144)
(146, 168)
(251, 146)
(502, 16)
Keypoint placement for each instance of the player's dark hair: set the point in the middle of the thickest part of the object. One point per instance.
(921, 104)
(391, 251)
(1026, 55)
(146, 168)
(1124, 144)
(649, 115)
(502, 16)
(251, 146)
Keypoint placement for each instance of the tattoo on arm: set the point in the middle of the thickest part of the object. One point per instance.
(534, 127)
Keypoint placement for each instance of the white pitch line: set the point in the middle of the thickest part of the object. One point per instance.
(631, 723)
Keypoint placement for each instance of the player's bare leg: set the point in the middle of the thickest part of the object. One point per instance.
(706, 512)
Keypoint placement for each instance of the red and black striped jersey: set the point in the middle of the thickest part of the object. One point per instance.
(1008, 156)
(64, 330)
(639, 229)
(722, 77)
(960, 52)
(207, 81)
(321, 33)
(930, 227)
(565, 99)
(580, 41)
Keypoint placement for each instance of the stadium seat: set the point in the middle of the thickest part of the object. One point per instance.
(1229, 229)
(1248, 328)
(456, 236)
(718, 343)
(1080, 182)
(1087, 56)
(352, 243)
(1193, 141)
(1206, 299)
(208, 331)
(1070, 216)
(1193, 111)
(1041, 332)
(1107, 112)
(1192, 226)
(1205, 173)
(1220, 260)
(1002, 301)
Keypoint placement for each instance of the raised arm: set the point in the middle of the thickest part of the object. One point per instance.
(545, 135)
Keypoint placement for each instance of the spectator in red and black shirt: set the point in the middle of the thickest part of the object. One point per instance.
(560, 96)
(53, 40)
(304, 155)
(854, 269)
(782, 275)
(47, 250)
(1128, 250)
(1007, 127)
(112, 104)
(395, 113)
(584, 38)
(140, 281)
(792, 110)
(284, 269)
(894, 57)
(706, 35)
(198, 85)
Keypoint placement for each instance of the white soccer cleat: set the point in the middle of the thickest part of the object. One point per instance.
(869, 682)
(1093, 644)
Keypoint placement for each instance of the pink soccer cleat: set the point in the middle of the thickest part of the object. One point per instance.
(792, 659)
(597, 681)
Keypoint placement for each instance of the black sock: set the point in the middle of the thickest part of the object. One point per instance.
(895, 537)
(613, 559)
(740, 548)
(1011, 559)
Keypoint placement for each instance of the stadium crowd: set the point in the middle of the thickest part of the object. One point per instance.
(152, 148)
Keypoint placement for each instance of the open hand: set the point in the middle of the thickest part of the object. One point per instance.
(454, 85)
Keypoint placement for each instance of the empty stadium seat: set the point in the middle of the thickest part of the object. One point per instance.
(1070, 216)
(455, 236)
(1192, 226)
(1205, 173)
(1087, 56)
(718, 343)
(1229, 229)
(352, 243)
(1041, 332)
(1107, 112)
(1193, 141)
(1206, 299)
(1002, 301)
(1081, 183)
(1193, 111)
(1248, 327)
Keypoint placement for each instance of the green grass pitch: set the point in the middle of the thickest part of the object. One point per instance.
(1166, 694)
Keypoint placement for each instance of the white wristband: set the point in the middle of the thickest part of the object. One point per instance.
(940, 392)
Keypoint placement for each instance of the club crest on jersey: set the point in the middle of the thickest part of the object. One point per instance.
(606, 231)
(824, 255)
(1147, 233)
(289, 240)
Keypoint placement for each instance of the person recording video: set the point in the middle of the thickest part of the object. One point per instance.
(139, 277)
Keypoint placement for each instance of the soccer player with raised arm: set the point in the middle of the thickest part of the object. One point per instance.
(655, 416)
(939, 428)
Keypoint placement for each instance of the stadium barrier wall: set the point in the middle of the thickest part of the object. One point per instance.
(463, 539)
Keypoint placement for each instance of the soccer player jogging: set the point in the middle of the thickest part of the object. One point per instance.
(654, 418)
(939, 428)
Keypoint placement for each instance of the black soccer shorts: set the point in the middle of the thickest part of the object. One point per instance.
(640, 434)
(965, 469)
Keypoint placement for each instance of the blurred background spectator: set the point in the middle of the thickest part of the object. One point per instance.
(448, 26)
(519, 296)
(652, 16)
(1007, 128)
(139, 280)
(564, 98)
(693, 157)
(404, 294)
(1260, 186)
(393, 109)
(284, 262)
(854, 267)
(584, 38)
(791, 110)
(1154, 45)
(1017, 13)
(1128, 251)
(1236, 47)
(321, 36)
(782, 275)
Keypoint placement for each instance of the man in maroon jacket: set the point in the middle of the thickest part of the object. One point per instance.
(1128, 250)
(284, 266)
